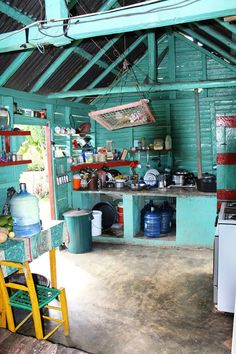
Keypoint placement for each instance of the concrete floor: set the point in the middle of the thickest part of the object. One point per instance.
(132, 299)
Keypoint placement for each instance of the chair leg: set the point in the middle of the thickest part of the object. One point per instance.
(3, 323)
(34, 302)
(6, 309)
(64, 311)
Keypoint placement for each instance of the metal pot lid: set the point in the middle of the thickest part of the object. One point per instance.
(208, 176)
(181, 172)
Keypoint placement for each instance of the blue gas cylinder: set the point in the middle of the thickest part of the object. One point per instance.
(152, 223)
(25, 212)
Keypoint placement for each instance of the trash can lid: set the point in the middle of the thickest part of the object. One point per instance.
(81, 212)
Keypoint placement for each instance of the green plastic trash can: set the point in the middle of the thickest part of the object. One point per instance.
(78, 224)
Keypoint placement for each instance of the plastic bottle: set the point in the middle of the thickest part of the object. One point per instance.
(25, 213)
(146, 208)
(152, 223)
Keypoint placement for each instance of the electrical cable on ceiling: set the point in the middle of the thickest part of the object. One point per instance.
(94, 42)
(181, 4)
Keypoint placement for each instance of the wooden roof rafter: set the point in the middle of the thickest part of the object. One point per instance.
(68, 51)
(207, 43)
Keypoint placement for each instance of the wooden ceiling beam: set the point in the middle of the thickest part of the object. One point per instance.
(217, 35)
(229, 26)
(15, 14)
(170, 86)
(66, 53)
(117, 61)
(204, 51)
(94, 60)
(136, 17)
(207, 43)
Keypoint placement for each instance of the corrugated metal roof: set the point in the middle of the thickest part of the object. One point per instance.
(39, 62)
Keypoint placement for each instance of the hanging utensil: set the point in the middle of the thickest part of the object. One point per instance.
(139, 160)
(148, 163)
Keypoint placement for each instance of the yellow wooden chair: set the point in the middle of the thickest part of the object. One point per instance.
(32, 298)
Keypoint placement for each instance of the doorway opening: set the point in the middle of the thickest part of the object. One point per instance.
(36, 176)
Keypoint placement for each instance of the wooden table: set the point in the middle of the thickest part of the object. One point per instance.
(26, 249)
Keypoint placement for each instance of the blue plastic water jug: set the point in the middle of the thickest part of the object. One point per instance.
(152, 223)
(25, 213)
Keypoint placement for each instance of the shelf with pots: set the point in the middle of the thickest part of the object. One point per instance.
(6, 134)
(98, 165)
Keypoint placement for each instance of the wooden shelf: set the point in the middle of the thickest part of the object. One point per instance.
(11, 163)
(26, 120)
(14, 132)
(97, 165)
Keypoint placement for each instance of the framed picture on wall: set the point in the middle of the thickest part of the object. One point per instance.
(124, 154)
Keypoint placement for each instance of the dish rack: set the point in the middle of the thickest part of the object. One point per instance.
(124, 116)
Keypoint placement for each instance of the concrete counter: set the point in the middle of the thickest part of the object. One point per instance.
(194, 218)
(153, 192)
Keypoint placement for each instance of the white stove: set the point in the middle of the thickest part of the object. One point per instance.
(227, 214)
(225, 258)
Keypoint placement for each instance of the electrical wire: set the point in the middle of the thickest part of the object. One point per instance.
(95, 43)
(181, 4)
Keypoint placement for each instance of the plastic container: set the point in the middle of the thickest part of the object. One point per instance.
(120, 215)
(97, 223)
(146, 208)
(152, 223)
(4, 118)
(25, 212)
(166, 217)
(78, 224)
(76, 182)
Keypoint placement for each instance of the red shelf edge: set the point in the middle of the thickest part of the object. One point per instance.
(14, 133)
(11, 163)
(96, 165)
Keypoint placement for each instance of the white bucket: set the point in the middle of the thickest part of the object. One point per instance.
(97, 223)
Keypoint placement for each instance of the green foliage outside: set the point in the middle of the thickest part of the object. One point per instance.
(34, 148)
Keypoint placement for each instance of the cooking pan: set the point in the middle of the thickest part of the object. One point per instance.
(207, 183)
(109, 214)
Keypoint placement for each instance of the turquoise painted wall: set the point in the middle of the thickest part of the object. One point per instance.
(175, 111)
(59, 113)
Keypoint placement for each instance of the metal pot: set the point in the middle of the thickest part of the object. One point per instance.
(179, 178)
(207, 183)
(120, 183)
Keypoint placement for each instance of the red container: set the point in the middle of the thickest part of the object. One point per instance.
(120, 217)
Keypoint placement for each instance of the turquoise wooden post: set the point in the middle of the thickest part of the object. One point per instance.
(129, 222)
(195, 220)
